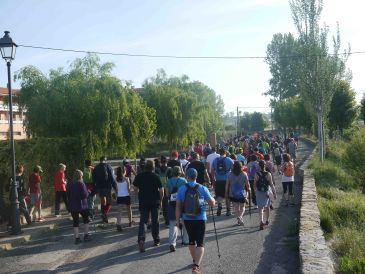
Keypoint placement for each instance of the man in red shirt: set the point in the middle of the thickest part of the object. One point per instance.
(60, 188)
(198, 148)
(35, 193)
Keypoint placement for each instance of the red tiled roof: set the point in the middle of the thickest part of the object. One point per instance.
(4, 91)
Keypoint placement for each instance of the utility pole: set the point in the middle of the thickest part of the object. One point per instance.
(238, 121)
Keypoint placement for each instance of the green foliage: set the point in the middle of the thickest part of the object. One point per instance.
(291, 113)
(362, 108)
(341, 201)
(46, 152)
(253, 121)
(343, 107)
(184, 110)
(88, 103)
(284, 79)
(354, 157)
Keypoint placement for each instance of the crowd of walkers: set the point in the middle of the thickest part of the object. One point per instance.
(239, 172)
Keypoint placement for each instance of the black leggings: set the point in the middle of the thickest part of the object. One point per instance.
(286, 185)
(196, 232)
(75, 217)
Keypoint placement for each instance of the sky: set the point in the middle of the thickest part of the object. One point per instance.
(174, 27)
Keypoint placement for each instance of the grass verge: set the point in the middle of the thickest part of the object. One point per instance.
(342, 206)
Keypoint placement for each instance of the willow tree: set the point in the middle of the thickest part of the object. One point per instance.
(319, 69)
(185, 110)
(86, 102)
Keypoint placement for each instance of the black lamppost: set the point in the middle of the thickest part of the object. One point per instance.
(8, 49)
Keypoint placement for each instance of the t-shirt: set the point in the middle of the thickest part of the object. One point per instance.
(234, 179)
(204, 197)
(228, 166)
(210, 160)
(173, 162)
(240, 157)
(148, 184)
(175, 182)
(59, 181)
(34, 183)
(200, 167)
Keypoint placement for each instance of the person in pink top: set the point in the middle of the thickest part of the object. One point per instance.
(60, 188)
(35, 193)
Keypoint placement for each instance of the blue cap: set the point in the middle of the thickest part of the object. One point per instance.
(192, 173)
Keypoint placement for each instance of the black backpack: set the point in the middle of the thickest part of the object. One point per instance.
(192, 207)
(221, 166)
(262, 183)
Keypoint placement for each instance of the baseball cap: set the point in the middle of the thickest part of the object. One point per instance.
(192, 173)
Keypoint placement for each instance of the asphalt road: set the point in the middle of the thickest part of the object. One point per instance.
(243, 249)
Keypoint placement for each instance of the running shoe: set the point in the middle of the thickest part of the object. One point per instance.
(172, 248)
(87, 238)
(195, 270)
(219, 210)
(77, 241)
(119, 228)
(157, 243)
(261, 226)
(141, 246)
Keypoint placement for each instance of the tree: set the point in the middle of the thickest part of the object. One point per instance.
(291, 113)
(253, 121)
(89, 103)
(184, 110)
(343, 107)
(282, 58)
(319, 70)
(362, 108)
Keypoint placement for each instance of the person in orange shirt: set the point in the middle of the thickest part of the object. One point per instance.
(60, 188)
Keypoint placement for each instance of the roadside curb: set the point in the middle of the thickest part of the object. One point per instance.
(315, 255)
(9, 242)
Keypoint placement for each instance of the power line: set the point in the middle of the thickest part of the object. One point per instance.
(173, 56)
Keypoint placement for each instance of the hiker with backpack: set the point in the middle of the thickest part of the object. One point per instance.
(164, 172)
(237, 188)
(292, 149)
(173, 185)
(252, 168)
(287, 179)
(221, 167)
(277, 156)
(191, 202)
(123, 197)
(23, 208)
(103, 177)
(77, 197)
(150, 195)
(262, 182)
(90, 186)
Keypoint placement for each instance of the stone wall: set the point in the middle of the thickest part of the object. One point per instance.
(315, 256)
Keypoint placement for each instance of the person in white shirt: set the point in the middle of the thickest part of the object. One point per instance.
(123, 197)
(209, 162)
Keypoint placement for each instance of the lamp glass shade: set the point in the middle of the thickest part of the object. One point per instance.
(7, 47)
(8, 52)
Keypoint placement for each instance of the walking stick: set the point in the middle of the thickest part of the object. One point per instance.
(249, 202)
(215, 231)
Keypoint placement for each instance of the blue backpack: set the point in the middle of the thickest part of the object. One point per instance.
(238, 191)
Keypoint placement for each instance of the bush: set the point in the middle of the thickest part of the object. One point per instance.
(47, 153)
(354, 157)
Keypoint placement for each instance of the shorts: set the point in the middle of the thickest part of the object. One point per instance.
(126, 200)
(76, 217)
(105, 192)
(234, 200)
(196, 232)
(220, 189)
(35, 199)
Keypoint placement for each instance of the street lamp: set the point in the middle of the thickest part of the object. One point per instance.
(8, 49)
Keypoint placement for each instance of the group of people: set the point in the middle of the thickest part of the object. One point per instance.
(240, 173)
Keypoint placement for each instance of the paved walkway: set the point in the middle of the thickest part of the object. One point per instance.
(243, 249)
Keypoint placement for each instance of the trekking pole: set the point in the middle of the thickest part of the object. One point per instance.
(249, 202)
(215, 231)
